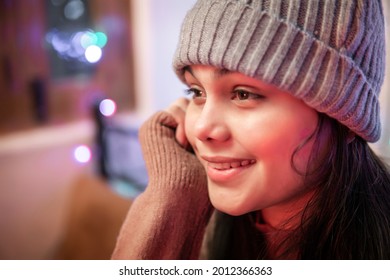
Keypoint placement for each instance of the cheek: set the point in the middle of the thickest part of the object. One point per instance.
(281, 141)
(300, 158)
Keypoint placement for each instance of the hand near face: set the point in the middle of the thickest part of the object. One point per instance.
(178, 112)
(160, 222)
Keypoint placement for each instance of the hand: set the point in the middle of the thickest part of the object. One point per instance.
(168, 220)
(178, 111)
(166, 151)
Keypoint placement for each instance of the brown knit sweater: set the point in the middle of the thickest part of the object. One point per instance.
(168, 220)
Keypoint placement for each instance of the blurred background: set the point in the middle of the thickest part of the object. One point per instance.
(77, 78)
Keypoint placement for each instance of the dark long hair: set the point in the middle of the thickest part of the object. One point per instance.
(348, 217)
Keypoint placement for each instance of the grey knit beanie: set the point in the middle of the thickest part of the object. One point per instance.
(329, 53)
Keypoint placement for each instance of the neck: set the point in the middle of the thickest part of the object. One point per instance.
(286, 216)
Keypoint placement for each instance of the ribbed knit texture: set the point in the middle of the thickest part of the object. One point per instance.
(169, 219)
(329, 53)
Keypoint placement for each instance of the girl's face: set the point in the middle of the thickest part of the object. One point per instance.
(245, 133)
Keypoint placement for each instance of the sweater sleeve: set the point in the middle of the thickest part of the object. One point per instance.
(168, 220)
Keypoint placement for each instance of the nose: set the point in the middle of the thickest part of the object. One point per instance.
(211, 124)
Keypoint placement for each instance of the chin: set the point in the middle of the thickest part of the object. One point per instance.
(227, 208)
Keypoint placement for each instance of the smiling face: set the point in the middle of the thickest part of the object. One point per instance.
(245, 133)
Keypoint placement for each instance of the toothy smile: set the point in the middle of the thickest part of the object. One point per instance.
(225, 164)
(221, 169)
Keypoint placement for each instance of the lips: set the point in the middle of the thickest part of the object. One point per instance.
(230, 164)
(226, 169)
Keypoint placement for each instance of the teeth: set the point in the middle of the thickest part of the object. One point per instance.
(229, 165)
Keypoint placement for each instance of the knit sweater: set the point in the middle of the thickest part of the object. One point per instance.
(168, 220)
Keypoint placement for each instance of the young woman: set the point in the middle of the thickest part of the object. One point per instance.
(284, 98)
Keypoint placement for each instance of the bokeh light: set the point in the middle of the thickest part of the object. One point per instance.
(101, 39)
(93, 54)
(82, 154)
(107, 107)
(88, 39)
(74, 9)
(85, 45)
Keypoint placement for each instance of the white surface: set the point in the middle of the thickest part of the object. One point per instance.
(157, 27)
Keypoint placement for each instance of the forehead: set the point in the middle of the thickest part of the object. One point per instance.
(214, 71)
(207, 73)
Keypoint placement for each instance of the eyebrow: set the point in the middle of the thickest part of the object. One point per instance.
(218, 73)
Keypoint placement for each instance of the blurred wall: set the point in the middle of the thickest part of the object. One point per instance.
(44, 76)
(37, 170)
(37, 166)
(156, 27)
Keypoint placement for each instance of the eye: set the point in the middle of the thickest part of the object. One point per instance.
(240, 94)
(195, 93)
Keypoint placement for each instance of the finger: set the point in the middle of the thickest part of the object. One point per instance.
(182, 103)
(179, 116)
(178, 111)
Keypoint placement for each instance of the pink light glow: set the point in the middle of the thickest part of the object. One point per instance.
(82, 154)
